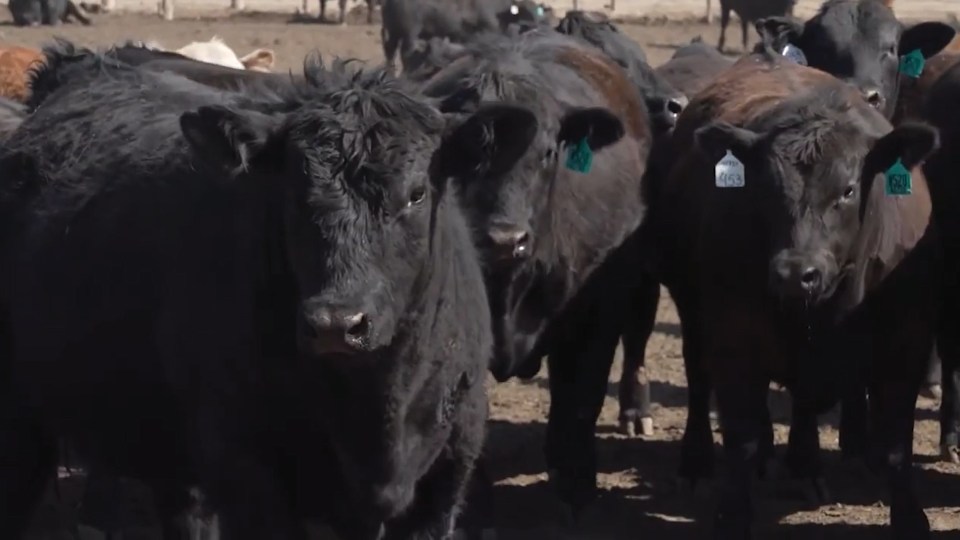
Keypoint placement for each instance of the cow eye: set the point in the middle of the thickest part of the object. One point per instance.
(849, 193)
(417, 196)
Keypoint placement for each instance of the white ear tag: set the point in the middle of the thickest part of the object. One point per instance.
(514, 10)
(729, 172)
(794, 54)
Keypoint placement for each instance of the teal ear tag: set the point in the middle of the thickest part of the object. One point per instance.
(911, 64)
(539, 11)
(898, 180)
(580, 158)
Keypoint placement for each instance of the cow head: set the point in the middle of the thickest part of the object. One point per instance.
(361, 183)
(505, 197)
(858, 41)
(813, 172)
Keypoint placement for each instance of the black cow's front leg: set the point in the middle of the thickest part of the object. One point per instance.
(891, 415)
(740, 423)
(853, 424)
(579, 372)
(803, 452)
(635, 415)
(948, 347)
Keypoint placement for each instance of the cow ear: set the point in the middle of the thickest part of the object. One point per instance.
(776, 32)
(260, 59)
(930, 37)
(599, 126)
(490, 141)
(910, 142)
(228, 139)
(716, 138)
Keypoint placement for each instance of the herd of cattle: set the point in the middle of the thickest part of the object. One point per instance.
(280, 294)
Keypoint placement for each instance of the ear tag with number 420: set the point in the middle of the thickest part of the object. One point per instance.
(794, 53)
(911, 64)
(898, 179)
(580, 158)
(729, 172)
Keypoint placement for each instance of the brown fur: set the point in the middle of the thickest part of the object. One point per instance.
(621, 96)
(15, 63)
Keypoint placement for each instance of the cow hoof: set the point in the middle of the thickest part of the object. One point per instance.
(933, 391)
(646, 426)
(950, 453)
(628, 428)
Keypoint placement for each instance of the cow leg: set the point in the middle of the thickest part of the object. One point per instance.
(933, 387)
(696, 449)
(766, 452)
(738, 402)
(743, 31)
(948, 345)
(578, 382)
(853, 424)
(634, 386)
(323, 10)
(343, 11)
(803, 451)
(891, 415)
(724, 21)
(28, 461)
(370, 6)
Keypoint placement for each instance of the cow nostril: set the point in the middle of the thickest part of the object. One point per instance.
(675, 106)
(522, 245)
(357, 325)
(810, 278)
(874, 98)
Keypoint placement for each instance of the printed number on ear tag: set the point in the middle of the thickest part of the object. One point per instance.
(729, 172)
(580, 158)
(794, 54)
(911, 64)
(898, 180)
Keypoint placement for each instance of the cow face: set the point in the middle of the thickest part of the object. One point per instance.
(506, 200)
(813, 177)
(360, 187)
(860, 42)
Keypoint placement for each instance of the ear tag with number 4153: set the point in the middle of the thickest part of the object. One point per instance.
(729, 172)
(794, 53)
(898, 181)
(911, 64)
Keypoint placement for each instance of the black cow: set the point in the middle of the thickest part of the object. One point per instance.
(342, 4)
(432, 55)
(750, 11)
(859, 41)
(52, 12)
(940, 108)
(405, 21)
(277, 299)
(801, 243)
(664, 102)
(559, 236)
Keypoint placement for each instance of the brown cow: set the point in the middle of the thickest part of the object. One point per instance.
(15, 63)
(761, 273)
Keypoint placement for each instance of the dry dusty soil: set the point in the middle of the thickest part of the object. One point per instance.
(639, 496)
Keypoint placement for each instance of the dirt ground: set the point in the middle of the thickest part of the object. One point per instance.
(639, 494)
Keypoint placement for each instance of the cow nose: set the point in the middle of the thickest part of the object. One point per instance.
(810, 279)
(665, 111)
(338, 332)
(676, 105)
(510, 242)
(873, 97)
